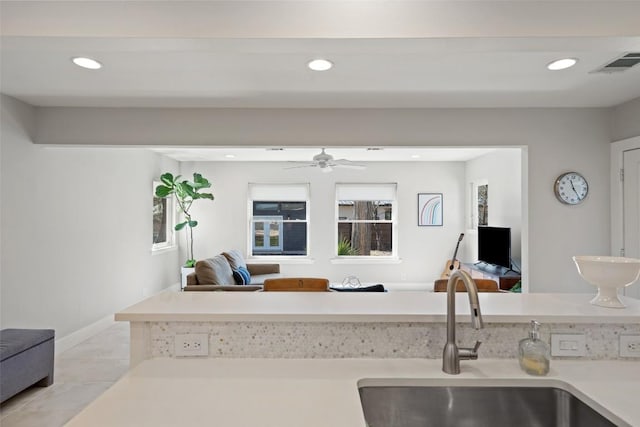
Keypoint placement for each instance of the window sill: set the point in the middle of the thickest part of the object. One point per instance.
(280, 259)
(366, 260)
(160, 251)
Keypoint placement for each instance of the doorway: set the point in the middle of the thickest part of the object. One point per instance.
(625, 203)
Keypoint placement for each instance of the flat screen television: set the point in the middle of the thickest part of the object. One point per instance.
(494, 245)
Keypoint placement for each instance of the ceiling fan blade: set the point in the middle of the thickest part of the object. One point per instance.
(344, 163)
(355, 167)
(304, 165)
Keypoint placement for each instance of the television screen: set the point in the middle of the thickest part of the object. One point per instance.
(494, 245)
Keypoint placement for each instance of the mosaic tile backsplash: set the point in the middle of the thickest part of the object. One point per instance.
(373, 340)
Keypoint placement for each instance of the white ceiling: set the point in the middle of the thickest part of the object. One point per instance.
(305, 154)
(435, 54)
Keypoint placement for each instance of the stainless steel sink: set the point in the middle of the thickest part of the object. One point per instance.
(476, 406)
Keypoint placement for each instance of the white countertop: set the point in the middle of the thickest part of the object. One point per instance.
(321, 393)
(409, 306)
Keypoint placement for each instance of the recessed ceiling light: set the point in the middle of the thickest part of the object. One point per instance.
(415, 156)
(230, 156)
(562, 64)
(88, 63)
(320, 65)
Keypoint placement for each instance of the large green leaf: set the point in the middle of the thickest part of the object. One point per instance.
(204, 196)
(200, 182)
(167, 179)
(187, 188)
(162, 191)
(180, 226)
(180, 192)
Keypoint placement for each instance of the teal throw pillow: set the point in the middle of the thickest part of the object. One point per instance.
(242, 276)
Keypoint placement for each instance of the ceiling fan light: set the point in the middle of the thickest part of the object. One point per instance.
(562, 64)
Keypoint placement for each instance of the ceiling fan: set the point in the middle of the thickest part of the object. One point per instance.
(326, 163)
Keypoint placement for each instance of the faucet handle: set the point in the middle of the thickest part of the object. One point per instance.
(466, 353)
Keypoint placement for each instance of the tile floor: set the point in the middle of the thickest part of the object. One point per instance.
(81, 374)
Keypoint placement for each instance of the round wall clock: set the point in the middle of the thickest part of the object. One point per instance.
(571, 188)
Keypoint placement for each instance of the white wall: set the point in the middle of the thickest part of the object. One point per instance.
(625, 120)
(223, 224)
(55, 275)
(502, 170)
(75, 229)
(556, 140)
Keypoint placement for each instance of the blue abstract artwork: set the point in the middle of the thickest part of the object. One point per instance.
(430, 209)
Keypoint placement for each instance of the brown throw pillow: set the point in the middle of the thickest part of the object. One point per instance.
(192, 279)
(214, 271)
(235, 259)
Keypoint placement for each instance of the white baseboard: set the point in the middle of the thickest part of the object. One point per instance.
(75, 338)
(176, 287)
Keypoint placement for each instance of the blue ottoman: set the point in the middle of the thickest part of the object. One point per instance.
(26, 358)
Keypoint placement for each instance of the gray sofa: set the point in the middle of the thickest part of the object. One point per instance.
(26, 359)
(217, 273)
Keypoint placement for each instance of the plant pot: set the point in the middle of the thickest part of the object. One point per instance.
(184, 272)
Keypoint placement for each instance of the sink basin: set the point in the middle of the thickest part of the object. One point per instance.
(475, 406)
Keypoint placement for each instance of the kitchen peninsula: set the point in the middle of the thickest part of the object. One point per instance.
(293, 359)
(370, 325)
(321, 393)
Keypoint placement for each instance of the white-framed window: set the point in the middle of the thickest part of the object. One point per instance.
(163, 221)
(479, 202)
(366, 220)
(278, 220)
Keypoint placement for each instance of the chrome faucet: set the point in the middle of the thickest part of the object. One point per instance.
(451, 354)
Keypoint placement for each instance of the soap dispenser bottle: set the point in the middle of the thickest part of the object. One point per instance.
(533, 353)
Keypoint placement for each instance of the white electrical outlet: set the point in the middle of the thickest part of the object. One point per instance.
(191, 345)
(568, 345)
(629, 345)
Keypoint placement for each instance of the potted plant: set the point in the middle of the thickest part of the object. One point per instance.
(185, 192)
(345, 248)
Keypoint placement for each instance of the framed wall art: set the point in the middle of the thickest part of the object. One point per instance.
(429, 209)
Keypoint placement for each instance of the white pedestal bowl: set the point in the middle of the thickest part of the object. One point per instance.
(608, 274)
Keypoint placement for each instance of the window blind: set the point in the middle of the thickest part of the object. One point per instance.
(279, 192)
(384, 191)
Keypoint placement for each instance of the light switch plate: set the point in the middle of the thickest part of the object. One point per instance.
(568, 345)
